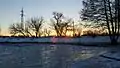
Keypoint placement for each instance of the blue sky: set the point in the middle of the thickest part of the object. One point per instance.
(10, 10)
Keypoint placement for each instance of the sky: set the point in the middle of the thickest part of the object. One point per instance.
(10, 10)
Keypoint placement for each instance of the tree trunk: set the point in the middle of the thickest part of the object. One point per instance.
(36, 34)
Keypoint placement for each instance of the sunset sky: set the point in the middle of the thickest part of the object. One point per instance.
(10, 10)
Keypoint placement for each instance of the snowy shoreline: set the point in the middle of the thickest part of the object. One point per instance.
(84, 40)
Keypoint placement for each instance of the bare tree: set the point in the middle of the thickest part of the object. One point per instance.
(28, 28)
(46, 32)
(17, 28)
(35, 24)
(59, 24)
(112, 13)
(74, 28)
(105, 13)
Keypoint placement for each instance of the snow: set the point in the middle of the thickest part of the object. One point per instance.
(57, 55)
(85, 39)
(100, 62)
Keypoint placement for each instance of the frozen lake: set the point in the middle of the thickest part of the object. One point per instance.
(46, 55)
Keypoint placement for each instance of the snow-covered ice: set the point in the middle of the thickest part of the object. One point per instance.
(57, 56)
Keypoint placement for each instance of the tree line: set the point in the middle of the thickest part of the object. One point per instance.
(59, 24)
(100, 16)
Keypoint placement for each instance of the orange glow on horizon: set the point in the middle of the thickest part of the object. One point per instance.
(53, 33)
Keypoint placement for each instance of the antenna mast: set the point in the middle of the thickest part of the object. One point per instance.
(22, 15)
